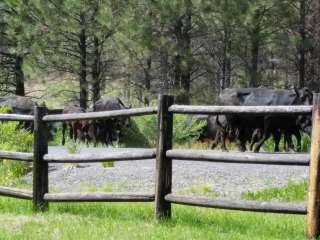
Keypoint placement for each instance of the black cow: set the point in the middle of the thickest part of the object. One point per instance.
(77, 129)
(109, 129)
(20, 105)
(268, 125)
(219, 131)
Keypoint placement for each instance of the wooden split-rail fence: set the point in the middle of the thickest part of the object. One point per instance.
(164, 154)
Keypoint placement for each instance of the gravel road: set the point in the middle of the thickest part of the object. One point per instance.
(224, 179)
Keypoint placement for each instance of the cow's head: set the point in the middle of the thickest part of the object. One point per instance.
(304, 96)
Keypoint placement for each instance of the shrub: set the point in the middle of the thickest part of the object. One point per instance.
(186, 133)
(143, 131)
(13, 138)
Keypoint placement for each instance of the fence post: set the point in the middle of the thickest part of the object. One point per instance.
(313, 208)
(40, 167)
(163, 164)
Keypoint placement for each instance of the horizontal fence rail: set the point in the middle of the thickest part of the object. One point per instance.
(101, 157)
(16, 193)
(101, 115)
(98, 197)
(20, 156)
(16, 117)
(255, 206)
(243, 110)
(237, 157)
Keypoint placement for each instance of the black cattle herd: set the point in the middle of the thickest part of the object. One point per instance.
(222, 129)
(104, 131)
(255, 130)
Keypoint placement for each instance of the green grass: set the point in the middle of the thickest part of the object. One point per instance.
(293, 192)
(136, 221)
(200, 190)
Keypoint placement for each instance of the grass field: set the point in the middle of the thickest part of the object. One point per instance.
(136, 220)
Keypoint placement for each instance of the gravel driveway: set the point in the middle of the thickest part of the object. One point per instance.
(224, 179)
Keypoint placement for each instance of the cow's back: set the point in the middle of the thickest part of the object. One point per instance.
(18, 104)
(108, 103)
(256, 97)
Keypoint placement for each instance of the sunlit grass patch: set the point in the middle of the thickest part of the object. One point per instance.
(293, 192)
(200, 190)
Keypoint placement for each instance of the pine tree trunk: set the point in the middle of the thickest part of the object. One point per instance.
(315, 22)
(19, 76)
(226, 62)
(96, 86)
(164, 81)
(147, 81)
(254, 74)
(302, 50)
(186, 69)
(183, 59)
(83, 64)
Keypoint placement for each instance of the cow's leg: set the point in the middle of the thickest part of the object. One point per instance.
(75, 131)
(106, 128)
(71, 133)
(265, 136)
(242, 139)
(276, 138)
(64, 127)
(87, 133)
(118, 138)
(259, 144)
(289, 139)
(108, 138)
(216, 140)
(96, 133)
(223, 141)
(286, 141)
(298, 137)
(255, 137)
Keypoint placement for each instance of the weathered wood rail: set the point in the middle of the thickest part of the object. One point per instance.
(164, 154)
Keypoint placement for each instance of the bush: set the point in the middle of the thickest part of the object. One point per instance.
(13, 138)
(183, 133)
(143, 131)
